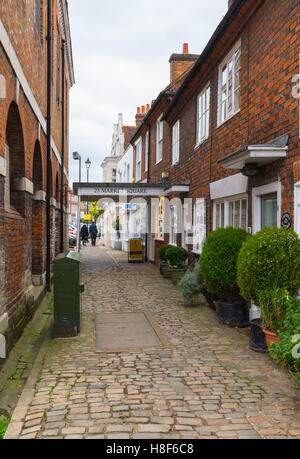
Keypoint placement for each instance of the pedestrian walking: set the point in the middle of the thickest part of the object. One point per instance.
(93, 233)
(84, 233)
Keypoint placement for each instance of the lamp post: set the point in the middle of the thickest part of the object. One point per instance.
(77, 156)
(87, 165)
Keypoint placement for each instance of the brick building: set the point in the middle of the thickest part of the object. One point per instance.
(23, 150)
(228, 137)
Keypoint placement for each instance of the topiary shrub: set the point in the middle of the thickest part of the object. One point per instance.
(218, 262)
(270, 258)
(190, 284)
(176, 256)
(162, 252)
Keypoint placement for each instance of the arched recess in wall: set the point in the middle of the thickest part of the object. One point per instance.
(15, 161)
(38, 216)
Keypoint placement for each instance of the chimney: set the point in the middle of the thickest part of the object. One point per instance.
(139, 117)
(179, 63)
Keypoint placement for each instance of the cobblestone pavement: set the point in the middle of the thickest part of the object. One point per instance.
(207, 385)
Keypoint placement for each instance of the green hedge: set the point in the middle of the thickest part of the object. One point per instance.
(270, 258)
(218, 262)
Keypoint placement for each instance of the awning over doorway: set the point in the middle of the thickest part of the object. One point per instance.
(256, 154)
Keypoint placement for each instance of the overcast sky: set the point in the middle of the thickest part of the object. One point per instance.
(121, 56)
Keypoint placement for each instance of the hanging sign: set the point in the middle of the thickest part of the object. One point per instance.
(286, 221)
(135, 251)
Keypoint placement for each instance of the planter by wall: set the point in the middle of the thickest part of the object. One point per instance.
(232, 314)
(271, 337)
(163, 268)
(257, 339)
(177, 273)
(211, 298)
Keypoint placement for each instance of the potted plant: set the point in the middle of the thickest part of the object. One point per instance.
(218, 266)
(268, 259)
(164, 265)
(191, 286)
(286, 352)
(273, 303)
(177, 257)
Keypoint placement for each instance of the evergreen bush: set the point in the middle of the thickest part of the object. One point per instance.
(270, 258)
(190, 285)
(218, 262)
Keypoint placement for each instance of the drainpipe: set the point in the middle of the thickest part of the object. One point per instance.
(148, 181)
(49, 83)
(62, 147)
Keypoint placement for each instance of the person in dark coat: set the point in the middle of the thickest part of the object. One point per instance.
(93, 233)
(84, 233)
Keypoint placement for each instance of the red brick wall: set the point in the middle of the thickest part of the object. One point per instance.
(270, 42)
(23, 228)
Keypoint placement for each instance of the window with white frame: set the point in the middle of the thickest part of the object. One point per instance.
(173, 225)
(175, 142)
(203, 115)
(229, 85)
(199, 225)
(159, 139)
(160, 219)
(146, 151)
(138, 162)
(231, 212)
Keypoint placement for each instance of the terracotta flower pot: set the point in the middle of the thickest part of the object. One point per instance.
(271, 337)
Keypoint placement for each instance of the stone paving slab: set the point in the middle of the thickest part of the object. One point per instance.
(206, 384)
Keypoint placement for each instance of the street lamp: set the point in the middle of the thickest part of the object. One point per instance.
(77, 156)
(87, 165)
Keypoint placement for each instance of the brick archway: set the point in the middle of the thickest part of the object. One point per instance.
(38, 218)
(15, 157)
(17, 223)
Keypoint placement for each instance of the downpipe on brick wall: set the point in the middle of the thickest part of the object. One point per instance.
(62, 148)
(49, 82)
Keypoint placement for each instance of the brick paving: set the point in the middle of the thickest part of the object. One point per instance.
(208, 384)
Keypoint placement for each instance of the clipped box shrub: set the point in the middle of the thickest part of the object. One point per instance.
(162, 252)
(177, 256)
(270, 258)
(218, 262)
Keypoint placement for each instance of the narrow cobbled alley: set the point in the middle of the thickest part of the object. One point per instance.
(203, 382)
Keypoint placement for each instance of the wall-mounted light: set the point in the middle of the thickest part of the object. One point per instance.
(250, 170)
